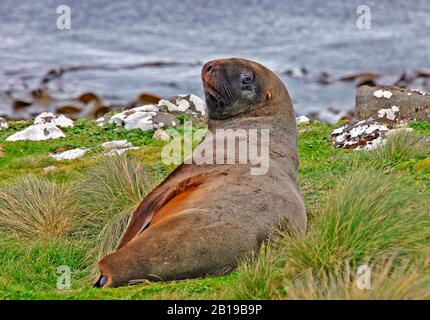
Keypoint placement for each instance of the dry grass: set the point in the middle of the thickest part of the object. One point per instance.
(111, 191)
(36, 208)
(398, 147)
(388, 280)
(366, 215)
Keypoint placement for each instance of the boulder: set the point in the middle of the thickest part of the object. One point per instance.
(117, 147)
(391, 105)
(147, 98)
(3, 124)
(359, 135)
(103, 120)
(58, 120)
(148, 117)
(302, 119)
(189, 104)
(116, 144)
(69, 154)
(38, 132)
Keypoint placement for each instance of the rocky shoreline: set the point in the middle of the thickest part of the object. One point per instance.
(24, 102)
(379, 111)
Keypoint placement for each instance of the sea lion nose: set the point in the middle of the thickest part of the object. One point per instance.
(209, 68)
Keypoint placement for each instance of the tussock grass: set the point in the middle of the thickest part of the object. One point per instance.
(111, 235)
(388, 280)
(36, 208)
(114, 183)
(111, 191)
(259, 276)
(399, 147)
(366, 215)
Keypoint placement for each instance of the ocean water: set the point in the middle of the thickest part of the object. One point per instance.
(321, 36)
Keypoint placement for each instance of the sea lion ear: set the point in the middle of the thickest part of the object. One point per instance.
(268, 95)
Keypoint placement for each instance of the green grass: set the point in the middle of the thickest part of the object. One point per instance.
(362, 207)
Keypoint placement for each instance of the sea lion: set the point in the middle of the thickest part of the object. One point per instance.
(204, 217)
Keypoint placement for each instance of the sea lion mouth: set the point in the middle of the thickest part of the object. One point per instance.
(213, 96)
(214, 102)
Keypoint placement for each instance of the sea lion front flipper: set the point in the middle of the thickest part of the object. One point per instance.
(177, 182)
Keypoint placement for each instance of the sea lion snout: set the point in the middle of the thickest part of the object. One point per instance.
(209, 68)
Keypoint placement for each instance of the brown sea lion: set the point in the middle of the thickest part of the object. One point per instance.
(204, 217)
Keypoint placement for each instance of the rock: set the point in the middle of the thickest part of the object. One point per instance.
(189, 104)
(323, 78)
(147, 98)
(58, 120)
(69, 154)
(118, 152)
(3, 124)
(361, 76)
(302, 119)
(297, 72)
(162, 135)
(94, 110)
(116, 144)
(391, 105)
(117, 147)
(359, 135)
(38, 132)
(41, 97)
(49, 169)
(145, 118)
(68, 109)
(422, 74)
(103, 120)
(20, 104)
(88, 97)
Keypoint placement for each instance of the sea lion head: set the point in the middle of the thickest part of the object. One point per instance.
(238, 86)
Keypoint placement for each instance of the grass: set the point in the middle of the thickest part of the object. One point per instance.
(398, 150)
(363, 207)
(367, 214)
(387, 281)
(35, 208)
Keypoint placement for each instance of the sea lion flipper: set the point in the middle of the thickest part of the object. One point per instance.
(179, 181)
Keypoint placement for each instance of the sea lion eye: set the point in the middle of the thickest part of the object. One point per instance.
(247, 77)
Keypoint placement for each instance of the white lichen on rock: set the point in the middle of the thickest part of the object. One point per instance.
(69, 154)
(383, 94)
(360, 135)
(38, 132)
(145, 118)
(186, 103)
(389, 113)
(58, 120)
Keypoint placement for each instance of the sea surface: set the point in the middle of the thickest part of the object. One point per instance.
(122, 48)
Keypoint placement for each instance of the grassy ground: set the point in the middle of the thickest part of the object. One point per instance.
(363, 207)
